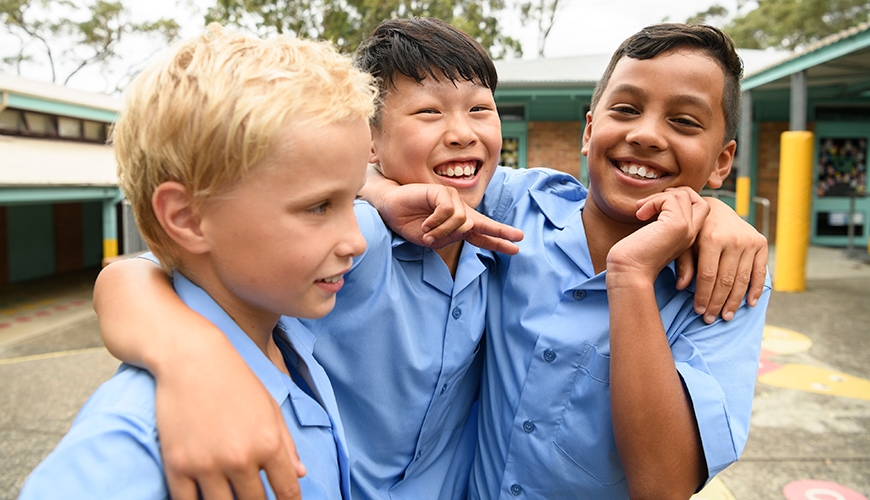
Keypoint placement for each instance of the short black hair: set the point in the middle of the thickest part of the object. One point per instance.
(656, 39)
(420, 48)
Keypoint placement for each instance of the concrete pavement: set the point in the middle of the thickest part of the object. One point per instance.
(810, 435)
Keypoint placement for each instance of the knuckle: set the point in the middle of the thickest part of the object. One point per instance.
(726, 280)
(707, 274)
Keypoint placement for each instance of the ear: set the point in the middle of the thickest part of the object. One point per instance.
(373, 151)
(175, 210)
(723, 165)
(587, 134)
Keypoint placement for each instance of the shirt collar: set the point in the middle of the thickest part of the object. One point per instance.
(565, 213)
(197, 299)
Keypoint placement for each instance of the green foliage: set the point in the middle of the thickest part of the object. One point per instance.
(788, 24)
(348, 22)
(50, 31)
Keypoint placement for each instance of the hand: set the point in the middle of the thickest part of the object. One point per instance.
(644, 253)
(435, 216)
(732, 258)
(218, 428)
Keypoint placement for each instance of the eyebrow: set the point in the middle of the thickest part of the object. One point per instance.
(683, 99)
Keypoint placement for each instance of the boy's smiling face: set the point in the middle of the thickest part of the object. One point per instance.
(280, 241)
(438, 132)
(659, 124)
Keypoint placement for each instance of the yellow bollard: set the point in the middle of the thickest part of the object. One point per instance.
(741, 203)
(793, 211)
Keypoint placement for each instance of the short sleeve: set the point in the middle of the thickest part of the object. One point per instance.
(111, 451)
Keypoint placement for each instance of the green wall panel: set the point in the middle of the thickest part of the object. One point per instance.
(31, 241)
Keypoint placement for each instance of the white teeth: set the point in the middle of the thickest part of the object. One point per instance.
(459, 171)
(334, 279)
(639, 171)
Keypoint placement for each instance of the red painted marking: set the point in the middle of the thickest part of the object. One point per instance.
(43, 313)
(809, 489)
(5, 325)
(23, 319)
(78, 302)
(60, 308)
(765, 365)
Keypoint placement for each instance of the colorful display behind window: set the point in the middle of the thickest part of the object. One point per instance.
(842, 167)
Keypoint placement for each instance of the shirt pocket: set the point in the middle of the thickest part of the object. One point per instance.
(584, 433)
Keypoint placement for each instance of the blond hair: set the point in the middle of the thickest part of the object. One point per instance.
(210, 112)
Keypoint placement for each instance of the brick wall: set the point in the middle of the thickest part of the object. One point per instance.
(555, 145)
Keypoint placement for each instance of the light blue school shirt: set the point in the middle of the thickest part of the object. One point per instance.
(112, 449)
(545, 421)
(401, 349)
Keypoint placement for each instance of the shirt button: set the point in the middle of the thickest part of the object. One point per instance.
(579, 294)
(549, 355)
(418, 455)
(528, 426)
(443, 388)
(516, 489)
(457, 312)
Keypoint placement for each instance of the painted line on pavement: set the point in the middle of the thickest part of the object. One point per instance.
(50, 355)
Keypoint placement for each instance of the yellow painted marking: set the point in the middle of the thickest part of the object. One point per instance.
(784, 341)
(817, 380)
(28, 306)
(50, 355)
(715, 490)
(9, 312)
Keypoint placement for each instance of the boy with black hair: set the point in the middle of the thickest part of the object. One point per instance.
(609, 385)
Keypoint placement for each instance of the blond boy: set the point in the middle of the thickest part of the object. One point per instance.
(242, 159)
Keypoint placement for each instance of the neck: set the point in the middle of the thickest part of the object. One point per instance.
(257, 324)
(602, 232)
(450, 256)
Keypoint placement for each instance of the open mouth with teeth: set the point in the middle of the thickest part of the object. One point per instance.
(638, 171)
(466, 169)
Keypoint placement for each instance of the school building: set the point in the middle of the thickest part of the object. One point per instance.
(59, 200)
(61, 209)
(824, 89)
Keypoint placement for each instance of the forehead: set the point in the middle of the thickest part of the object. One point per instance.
(682, 74)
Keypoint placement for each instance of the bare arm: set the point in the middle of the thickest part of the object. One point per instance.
(218, 425)
(654, 425)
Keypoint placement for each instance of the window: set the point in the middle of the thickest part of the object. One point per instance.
(11, 119)
(33, 124)
(40, 124)
(69, 127)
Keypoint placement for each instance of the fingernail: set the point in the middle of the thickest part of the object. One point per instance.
(709, 319)
(727, 316)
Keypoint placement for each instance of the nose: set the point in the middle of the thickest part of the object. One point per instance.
(460, 131)
(647, 133)
(352, 244)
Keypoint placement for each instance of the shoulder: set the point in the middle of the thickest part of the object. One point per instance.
(509, 187)
(111, 450)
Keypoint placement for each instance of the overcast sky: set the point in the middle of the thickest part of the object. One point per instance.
(581, 27)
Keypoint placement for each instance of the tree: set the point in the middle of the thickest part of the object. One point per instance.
(543, 13)
(67, 36)
(348, 22)
(790, 24)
